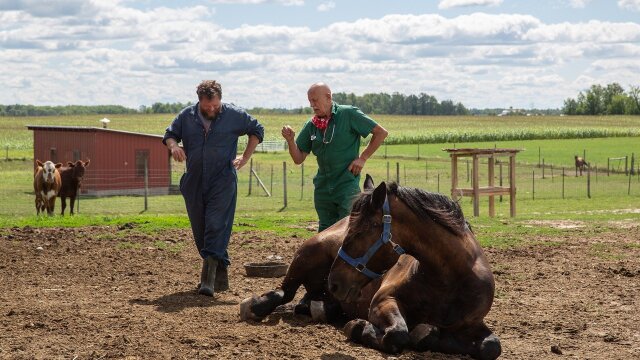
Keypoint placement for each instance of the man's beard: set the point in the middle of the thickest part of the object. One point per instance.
(209, 116)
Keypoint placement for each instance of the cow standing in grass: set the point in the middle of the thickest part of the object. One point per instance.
(71, 176)
(46, 185)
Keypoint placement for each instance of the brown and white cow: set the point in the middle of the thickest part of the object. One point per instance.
(71, 176)
(46, 185)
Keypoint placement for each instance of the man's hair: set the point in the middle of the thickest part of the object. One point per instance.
(209, 88)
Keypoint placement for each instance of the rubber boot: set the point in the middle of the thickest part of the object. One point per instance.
(207, 286)
(203, 273)
(222, 278)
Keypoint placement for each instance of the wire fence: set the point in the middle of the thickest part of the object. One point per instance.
(270, 184)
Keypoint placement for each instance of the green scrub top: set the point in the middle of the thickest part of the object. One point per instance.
(336, 146)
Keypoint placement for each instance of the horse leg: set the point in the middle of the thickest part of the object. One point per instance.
(307, 268)
(478, 342)
(387, 330)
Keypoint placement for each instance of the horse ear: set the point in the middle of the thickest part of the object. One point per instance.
(379, 194)
(368, 182)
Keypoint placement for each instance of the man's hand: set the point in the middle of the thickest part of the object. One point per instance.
(288, 133)
(177, 153)
(356, 166)
(239, 162)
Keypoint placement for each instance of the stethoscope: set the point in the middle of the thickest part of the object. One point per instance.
(324, 135)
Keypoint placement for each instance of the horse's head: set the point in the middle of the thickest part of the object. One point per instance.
(367, 250)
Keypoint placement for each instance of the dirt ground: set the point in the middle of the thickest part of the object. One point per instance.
(113, 292)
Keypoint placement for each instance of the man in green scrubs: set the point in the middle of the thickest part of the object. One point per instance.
(333, 136)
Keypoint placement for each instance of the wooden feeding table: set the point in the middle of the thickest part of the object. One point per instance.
(491, 190)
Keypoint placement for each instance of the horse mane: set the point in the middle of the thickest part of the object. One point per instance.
(439, 208)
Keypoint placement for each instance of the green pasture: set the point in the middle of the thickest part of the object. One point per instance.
(544, 196)
(16, 140)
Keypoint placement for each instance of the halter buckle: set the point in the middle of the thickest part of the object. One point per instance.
(386, 219)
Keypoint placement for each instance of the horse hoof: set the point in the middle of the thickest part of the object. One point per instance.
(318, 313)
(302, 309)
(424, 337)
(353, 330)
(490, 348)
(245, 309)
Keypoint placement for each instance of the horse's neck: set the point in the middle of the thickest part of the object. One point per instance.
(443, 252)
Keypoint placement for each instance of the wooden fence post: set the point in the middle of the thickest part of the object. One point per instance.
(284, 182)
(426, 170)
(302, 182)
(398, 173)
(589, 182)
(533, 185)
(250, 175)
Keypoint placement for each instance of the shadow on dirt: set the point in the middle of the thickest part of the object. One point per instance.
(179, 301)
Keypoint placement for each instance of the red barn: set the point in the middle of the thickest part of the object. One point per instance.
(117, 157)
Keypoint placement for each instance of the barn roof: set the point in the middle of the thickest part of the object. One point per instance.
(87, 129)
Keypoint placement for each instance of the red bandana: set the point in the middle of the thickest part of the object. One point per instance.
(320, 123)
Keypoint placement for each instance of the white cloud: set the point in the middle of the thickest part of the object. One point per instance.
(629, 4)
(448, 4)
(158, 55)
(254, 2)
(326, 6)
(578, 4)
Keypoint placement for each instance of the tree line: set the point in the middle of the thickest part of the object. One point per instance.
(399, 104)
(33, 110)
(381, 103)
(604, 100)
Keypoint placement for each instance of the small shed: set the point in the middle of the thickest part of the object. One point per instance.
(117, 157)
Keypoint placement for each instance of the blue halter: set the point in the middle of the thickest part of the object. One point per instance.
(360, 263)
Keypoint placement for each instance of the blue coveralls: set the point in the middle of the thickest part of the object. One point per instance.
(210, 184)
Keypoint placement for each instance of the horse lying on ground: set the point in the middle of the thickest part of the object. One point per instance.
(46, 185)
(581, 164)
(436, 298)
(434, 301)
(71, 176)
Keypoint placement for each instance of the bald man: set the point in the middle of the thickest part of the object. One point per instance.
(333, 136)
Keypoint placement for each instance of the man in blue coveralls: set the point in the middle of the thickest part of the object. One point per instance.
(209, 131)
(333, 136)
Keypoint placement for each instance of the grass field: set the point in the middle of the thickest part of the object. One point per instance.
(614, 198)
(17, 140)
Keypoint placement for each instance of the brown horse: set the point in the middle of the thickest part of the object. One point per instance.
(310, 269)
(433, 298)
(581, 164)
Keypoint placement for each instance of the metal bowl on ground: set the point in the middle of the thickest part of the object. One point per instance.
(266, 269)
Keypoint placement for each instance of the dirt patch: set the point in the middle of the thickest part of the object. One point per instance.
(108, 292)
(558, 224)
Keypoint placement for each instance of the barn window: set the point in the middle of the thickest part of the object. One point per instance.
(53, 155)
(76, 155)
(142, 156)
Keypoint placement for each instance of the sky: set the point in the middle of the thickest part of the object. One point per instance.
(266, 53)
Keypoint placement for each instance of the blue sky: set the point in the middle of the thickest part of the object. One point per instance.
(483, 53)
